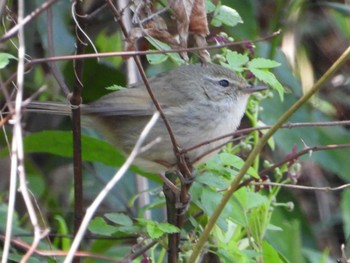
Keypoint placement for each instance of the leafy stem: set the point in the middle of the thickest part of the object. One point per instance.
(259, 146)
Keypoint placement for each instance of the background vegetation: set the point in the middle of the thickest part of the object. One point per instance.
(259, 224)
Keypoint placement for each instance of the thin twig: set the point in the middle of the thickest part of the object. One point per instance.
(36, 61)
(304, 187)
(13, 31)
(302, 152)
(89, 17)
(140, 53)
(260, 128)
(215, 148)
(58, 253)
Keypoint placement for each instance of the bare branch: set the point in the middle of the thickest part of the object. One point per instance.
(302, 152)
(303, 187)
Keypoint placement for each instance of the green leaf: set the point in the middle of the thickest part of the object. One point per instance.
(263, 63)
(16, 229)
(209, 201)
(236, 61)
(19, 258)
(155, 59)
(153, 231)
(210, 7)
(120, 219)
(60, 143)
(115, 87)
(258, 221)
(107, 42)
(62, 230)
(270, 254)
(273, 228)
(345, 208)
(168, 228)
(5, 59)
(158, 58)
(156, 230)
(249, 199)
(99, 226)
(229, 159)
(226, 15)
(270, 79)
(212, 180)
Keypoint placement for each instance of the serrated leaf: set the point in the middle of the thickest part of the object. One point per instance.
(236, 60)
(99, 226)
(5, 59)
(156, 230)
(119, 218)
(235, 161)
(153, 231)
(263, 63)
(130, 229)
(115, 87)
(168, 228)
(270, 79)
(226, 15)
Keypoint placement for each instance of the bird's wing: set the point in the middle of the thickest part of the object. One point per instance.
(136, 101)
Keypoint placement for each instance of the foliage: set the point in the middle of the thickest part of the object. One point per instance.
(259, 223)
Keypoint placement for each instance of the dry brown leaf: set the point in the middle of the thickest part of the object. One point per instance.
(191, 18)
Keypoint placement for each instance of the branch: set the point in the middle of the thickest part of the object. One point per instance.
(304, 187)
(139, 53)
(75, 100)
(302, 152)
(285, 126)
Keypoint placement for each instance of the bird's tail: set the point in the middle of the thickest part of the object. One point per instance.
(54, 108)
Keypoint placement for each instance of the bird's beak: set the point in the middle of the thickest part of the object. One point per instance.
(251, 89)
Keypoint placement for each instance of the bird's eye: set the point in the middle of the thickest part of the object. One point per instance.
(224, 83)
